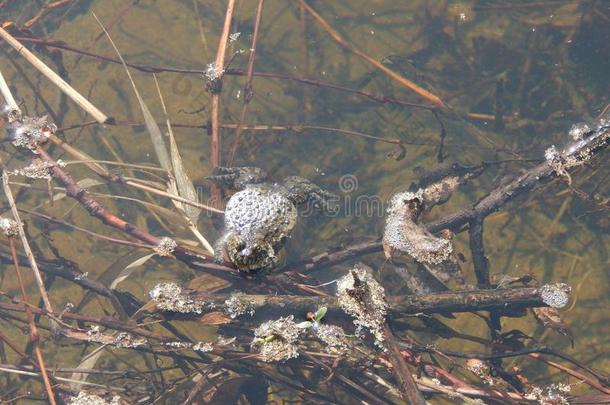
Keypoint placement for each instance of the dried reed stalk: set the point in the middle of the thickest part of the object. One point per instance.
(54, 77)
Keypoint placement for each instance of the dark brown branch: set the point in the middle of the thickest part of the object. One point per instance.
(440, 302)
(401, 371)
(479, 261)
(578, 151)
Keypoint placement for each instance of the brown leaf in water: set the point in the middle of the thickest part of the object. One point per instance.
(398, 153)
(207, 283)
(549, 317)
(215, 318)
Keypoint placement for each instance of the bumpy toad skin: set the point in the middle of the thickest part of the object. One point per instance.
(260, 217)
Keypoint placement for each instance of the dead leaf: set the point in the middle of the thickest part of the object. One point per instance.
(215, 318)
(207, 283)
(550, 318)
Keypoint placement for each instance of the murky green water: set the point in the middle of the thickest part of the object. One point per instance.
(549, 58)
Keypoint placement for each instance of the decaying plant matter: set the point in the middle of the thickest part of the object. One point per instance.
(110, 292)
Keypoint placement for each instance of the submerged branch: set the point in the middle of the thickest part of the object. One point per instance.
(573, 155)
(440, 302)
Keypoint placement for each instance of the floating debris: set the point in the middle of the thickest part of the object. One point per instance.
(84, 398)
(213, 77)
(121, 340)
(278, 339)
(333, 337)
(29, 132)
(234, 36)
(481, 369)
(237, 304)
(166, 246)
(126, 340)
(555, 295)
(9, 227)
(362, 297)
(213, 72)
(586, 141)
(176, 344)
(558, 163)
(94, 331)
(203, 347)
(439, 192)
(171, 297)
(402, 232)
(38, 169)
(579, 131)
(554, 394)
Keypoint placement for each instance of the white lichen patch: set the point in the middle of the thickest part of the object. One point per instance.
(166, 246)
(277, 339)
(334, 338)
(171, 297)
(237, 305)
(555, 295)
(403, 234)
(362, 297)
(9, 227)
(29, 132)
(203, 347)
(84, 398)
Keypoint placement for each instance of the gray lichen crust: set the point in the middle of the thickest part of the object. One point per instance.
(402, 232)
(362, 297)
(261, 216)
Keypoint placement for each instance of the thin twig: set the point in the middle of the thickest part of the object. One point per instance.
(339, 40)
(229, 72)
(248, 91)
(401, 370)
(24, 241)
(34, 336)
(219, 66)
